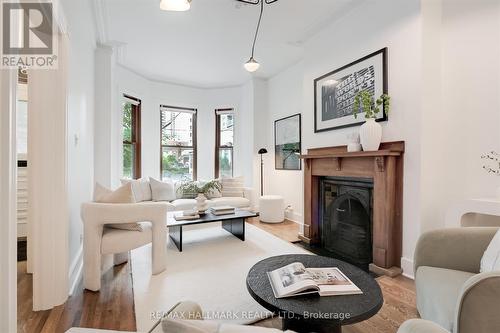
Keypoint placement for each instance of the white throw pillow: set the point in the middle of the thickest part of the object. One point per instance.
(491, 258)
(162, 191)
(121, 195)
(232, 187)
(209, 326)
(140, 187)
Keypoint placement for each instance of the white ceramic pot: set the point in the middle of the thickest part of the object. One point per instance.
(370, 135)
(201, 203)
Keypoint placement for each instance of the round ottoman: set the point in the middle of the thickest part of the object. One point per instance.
(272, 209)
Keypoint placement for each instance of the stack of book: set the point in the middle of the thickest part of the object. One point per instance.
(187, 215)
(222, 210)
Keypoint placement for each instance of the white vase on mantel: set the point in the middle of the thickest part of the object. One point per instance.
(370, 135)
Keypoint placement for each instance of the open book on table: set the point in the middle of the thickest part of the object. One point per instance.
(295, 279)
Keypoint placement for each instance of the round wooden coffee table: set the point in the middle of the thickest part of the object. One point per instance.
(312, 313)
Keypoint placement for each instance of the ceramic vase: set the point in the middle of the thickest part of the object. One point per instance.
(201, 203)
(370, 135)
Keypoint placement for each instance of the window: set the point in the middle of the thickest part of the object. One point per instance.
(178, 143)
(131, 131)
(224, 139)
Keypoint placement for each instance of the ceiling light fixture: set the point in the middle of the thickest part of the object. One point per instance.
(252, 65)
(175, 5)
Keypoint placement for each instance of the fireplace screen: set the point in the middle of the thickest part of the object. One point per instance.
(346, 221)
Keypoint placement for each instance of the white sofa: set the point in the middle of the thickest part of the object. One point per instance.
(244, 202)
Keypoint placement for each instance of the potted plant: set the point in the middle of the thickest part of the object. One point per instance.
(200, 191)
(370, 133)
(492, 166)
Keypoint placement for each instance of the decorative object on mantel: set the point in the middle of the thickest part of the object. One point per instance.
(334, 92)
(353, 143)
(370, 132)
(494, 158)
(287, 143)
(261, 152)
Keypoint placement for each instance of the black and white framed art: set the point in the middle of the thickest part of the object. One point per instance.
(334, 92)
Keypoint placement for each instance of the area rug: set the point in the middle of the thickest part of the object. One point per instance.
(211, 271)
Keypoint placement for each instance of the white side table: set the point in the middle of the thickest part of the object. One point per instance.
(272, 208)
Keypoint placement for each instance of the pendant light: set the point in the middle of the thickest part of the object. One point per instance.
(175, 5)
(252, 65)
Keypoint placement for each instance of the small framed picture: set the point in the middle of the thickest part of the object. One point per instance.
(334, 92)
(287, 143)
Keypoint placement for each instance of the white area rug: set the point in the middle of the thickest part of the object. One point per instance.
(211, 271)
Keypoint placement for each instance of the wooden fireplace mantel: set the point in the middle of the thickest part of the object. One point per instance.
(385, 167)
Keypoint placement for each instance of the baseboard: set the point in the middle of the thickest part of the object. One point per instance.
(75, 271)
(291, 216)
(407, 266)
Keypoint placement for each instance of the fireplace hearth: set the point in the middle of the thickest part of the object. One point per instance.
(345, 228)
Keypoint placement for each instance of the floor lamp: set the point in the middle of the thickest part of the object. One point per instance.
(261, 152)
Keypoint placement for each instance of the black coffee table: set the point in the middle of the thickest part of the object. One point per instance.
(233, 223)
(312, 313)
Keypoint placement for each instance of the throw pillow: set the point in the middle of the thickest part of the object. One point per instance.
(210, 326)
(232, 187)
(122, 195)
(141, 189)
(162, 191)
(183, 193)
(213, 193)
(491, 257)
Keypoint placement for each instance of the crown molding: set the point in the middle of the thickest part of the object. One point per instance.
(101, 20)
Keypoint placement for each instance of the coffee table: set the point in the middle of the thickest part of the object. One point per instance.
(233, 223)
(312, 313)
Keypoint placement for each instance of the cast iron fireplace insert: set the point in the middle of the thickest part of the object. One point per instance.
(346, 207)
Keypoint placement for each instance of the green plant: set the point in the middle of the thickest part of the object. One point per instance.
(197, 187)
(364, 101)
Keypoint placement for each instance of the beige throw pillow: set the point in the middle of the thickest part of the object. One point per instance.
(162, 191)
(233, 187)
(140, 187)
(209, 326)
(121, 195)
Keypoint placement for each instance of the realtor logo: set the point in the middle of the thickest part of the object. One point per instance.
(28, 38)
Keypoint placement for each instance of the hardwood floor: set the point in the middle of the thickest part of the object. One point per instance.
(113, 306)
(287, 230)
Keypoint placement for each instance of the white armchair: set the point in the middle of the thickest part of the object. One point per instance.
(99, 240)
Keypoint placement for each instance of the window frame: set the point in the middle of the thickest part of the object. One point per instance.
(218, 146)
(194, 146)
(136, 141)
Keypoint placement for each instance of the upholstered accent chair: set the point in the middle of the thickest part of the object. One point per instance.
(188, 319)
(452, 295)
(99, 239)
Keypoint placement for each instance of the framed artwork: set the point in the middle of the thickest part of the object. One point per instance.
(287, 143)
(334, 92)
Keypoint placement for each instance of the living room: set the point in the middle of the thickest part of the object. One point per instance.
(253, 109)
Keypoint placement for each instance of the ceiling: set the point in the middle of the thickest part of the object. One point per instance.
(207, 45)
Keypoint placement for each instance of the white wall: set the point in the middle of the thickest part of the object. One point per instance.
(80, 20)
(285, 99)
(153, 94)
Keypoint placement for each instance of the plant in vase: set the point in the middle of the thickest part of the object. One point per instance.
(370, 133)
(200, 191)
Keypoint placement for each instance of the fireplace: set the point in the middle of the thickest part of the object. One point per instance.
(360, 187)
(345, 228)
